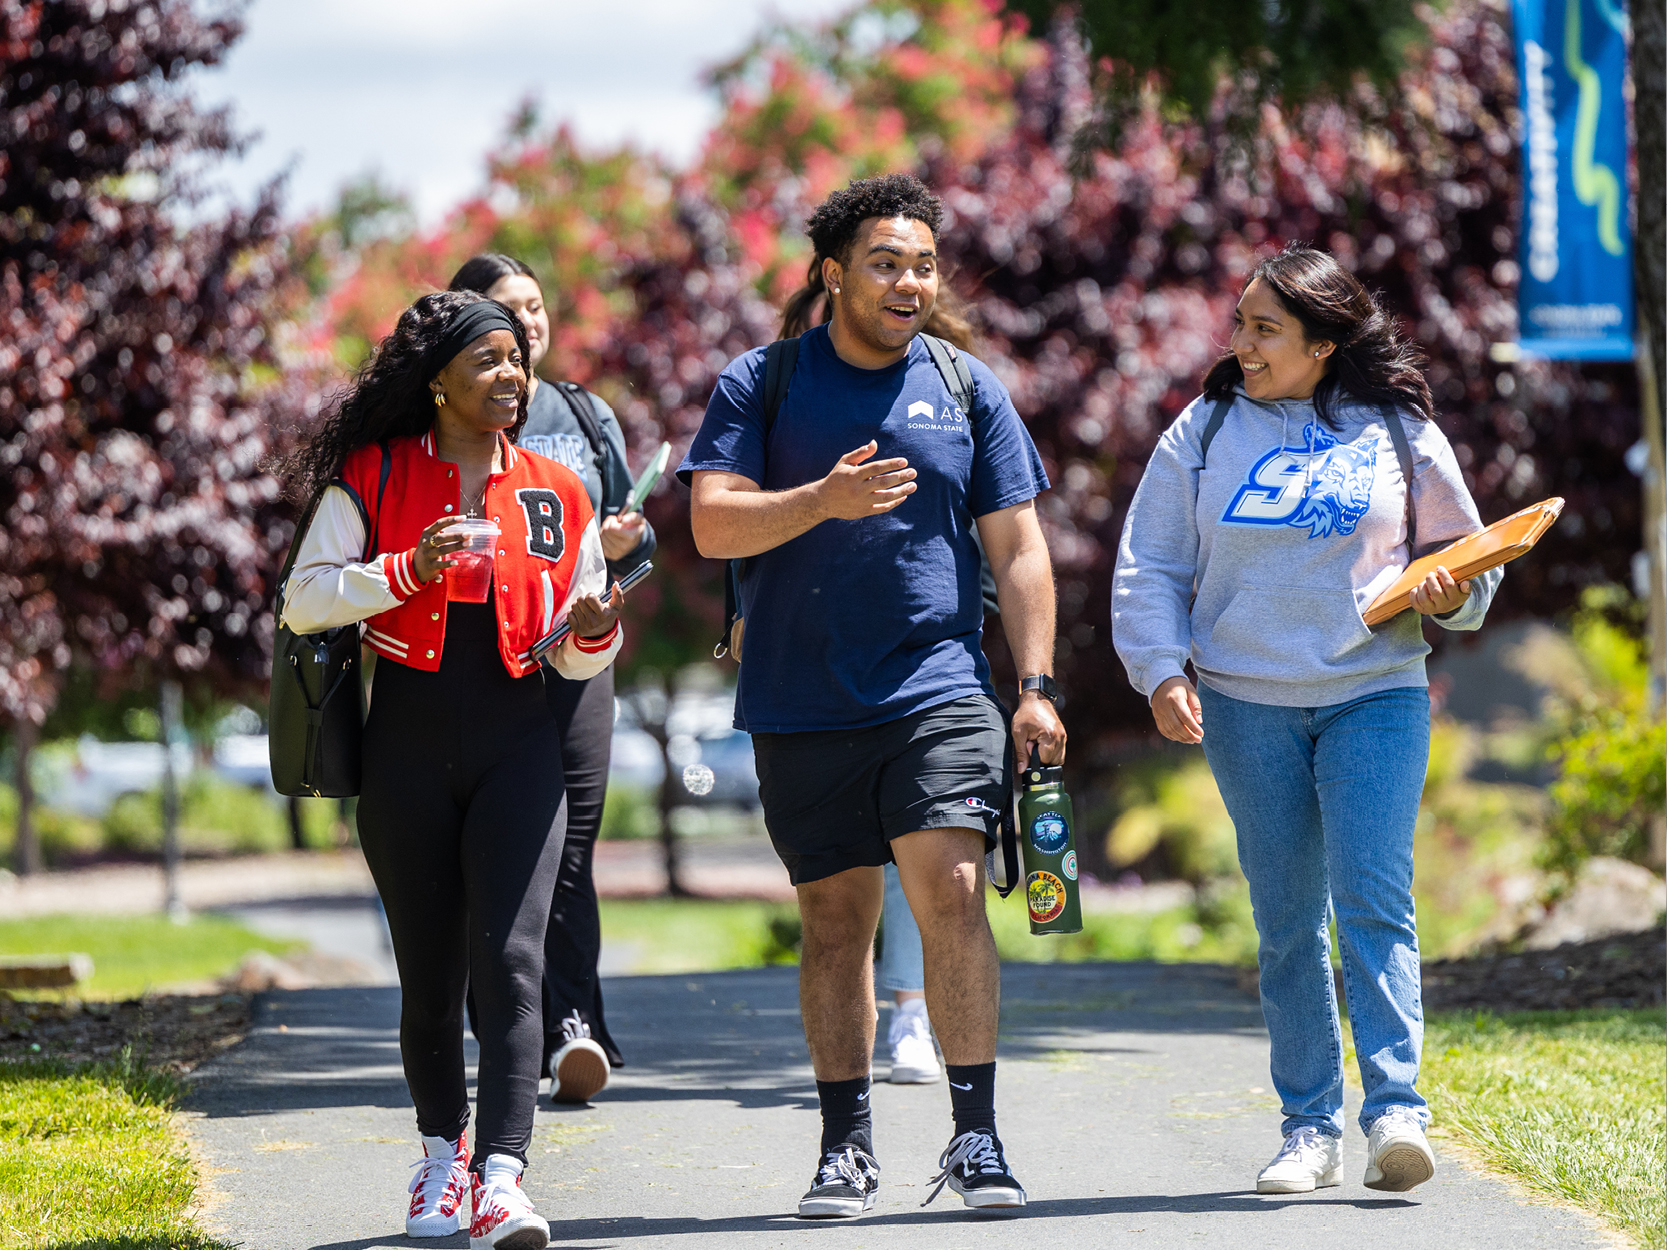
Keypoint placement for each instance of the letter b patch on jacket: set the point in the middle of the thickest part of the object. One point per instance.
(543, 509)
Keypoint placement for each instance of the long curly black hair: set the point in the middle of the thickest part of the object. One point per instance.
(1374, 363)
(389, 396)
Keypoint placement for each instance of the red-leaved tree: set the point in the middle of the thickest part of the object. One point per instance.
(140, 380)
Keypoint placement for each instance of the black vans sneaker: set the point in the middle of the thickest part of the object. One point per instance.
(973, 1167)
(845, 1184)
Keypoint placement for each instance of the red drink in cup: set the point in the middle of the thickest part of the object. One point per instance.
(469, 579)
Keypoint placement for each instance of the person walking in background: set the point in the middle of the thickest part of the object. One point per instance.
(576, 428)
(1275, 508)
(462, 807)
(877, 735)
(914, 1060)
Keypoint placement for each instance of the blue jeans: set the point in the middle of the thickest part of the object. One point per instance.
(902, 966)
(1324, 800)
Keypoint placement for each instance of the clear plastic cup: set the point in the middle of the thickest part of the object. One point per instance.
(469, 579)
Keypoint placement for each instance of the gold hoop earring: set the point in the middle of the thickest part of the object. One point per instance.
(439, 399)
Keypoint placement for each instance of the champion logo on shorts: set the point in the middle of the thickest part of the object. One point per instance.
(979, 805)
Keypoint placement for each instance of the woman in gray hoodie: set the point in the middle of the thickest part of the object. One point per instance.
(1279, 505)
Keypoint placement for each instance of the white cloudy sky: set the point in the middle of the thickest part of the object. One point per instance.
(420, 89)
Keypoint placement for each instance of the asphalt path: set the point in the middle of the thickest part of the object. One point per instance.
(1133, 1100)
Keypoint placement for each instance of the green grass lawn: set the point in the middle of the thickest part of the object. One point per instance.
(88, 1159)
(698, 935)
(1572, 1103)
(132, 954)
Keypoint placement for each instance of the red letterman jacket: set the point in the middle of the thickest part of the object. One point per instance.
(542, 510)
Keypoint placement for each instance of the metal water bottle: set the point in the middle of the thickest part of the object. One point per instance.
(1050, 849)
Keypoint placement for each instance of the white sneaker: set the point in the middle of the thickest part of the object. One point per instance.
(504, 1219)
(1308, 1160)
(1397, 1155)
(914, 1060)
(579, 1070)
(437, 1189)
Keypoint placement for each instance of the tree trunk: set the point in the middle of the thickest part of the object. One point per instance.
(670, 793)
(173, 903)
(1649, 259)
(27, 852)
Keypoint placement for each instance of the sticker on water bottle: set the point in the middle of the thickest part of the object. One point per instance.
(1045, 893)
(1068, 865)
(1049, 833)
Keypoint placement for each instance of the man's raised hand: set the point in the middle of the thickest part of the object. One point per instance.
(854, 490)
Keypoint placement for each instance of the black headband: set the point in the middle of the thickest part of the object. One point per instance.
(472, 321)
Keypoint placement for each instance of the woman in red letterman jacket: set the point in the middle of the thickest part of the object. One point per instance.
(462, 810)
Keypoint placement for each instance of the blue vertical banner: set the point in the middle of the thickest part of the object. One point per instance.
(1575, 299)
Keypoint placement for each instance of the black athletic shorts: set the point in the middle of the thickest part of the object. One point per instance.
(834, 799)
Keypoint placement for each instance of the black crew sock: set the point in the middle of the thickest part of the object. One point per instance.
(972, 1093)
(846, 1117)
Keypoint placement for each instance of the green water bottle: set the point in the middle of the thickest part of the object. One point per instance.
(1050, 849)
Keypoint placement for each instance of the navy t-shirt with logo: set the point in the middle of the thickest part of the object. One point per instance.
(857, 623)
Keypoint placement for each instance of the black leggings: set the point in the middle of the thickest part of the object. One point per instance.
(584, 715)
(461, 816)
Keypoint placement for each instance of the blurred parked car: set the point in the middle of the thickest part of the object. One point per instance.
(702, 732)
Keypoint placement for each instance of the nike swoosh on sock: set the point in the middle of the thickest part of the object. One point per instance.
(864, 1094)
(952, 1083)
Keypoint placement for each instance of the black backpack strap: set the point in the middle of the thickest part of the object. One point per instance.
(954, 372)
(1403, 453)
(780, 359)
(375, 526)
(579, 402)
(957, 379)
(1213, 427)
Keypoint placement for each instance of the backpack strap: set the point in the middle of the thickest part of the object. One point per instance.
(1213, 426)
(381, 490)
(1403, 453)
(954, 372)
(957, 379)
(781, 358)
(579, 402)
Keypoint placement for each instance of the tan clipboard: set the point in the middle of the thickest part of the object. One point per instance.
(1500, 543)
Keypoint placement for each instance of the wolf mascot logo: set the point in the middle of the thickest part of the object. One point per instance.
(1323, 486)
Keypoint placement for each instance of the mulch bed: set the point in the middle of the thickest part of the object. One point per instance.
(175, 1032)
(1626, 970)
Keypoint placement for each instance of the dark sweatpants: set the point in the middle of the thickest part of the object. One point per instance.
(584, 716)
(461, 817)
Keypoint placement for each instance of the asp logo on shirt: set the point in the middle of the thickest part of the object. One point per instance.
(923, 416)
(1322, 485)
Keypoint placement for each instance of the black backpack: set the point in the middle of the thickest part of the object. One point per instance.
(780, 359)
(615, 484)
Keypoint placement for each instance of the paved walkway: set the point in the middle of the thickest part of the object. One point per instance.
(1132, 1099)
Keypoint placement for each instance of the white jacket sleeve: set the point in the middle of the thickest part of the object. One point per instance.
(1157, 560)
(329, 585)
(580, 658)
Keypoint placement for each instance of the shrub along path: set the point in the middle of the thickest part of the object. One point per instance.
(1132, 1097)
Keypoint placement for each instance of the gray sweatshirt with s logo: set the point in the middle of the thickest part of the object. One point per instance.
(1257, 565)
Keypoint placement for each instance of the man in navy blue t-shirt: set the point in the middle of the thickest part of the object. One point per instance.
(864, 684)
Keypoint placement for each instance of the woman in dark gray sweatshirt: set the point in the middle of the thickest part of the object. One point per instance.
(1274, 510)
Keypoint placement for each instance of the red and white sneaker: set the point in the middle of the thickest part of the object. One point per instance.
(504, 1219)
(437, 1189)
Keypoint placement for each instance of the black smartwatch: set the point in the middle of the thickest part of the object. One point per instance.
(1043, 685)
